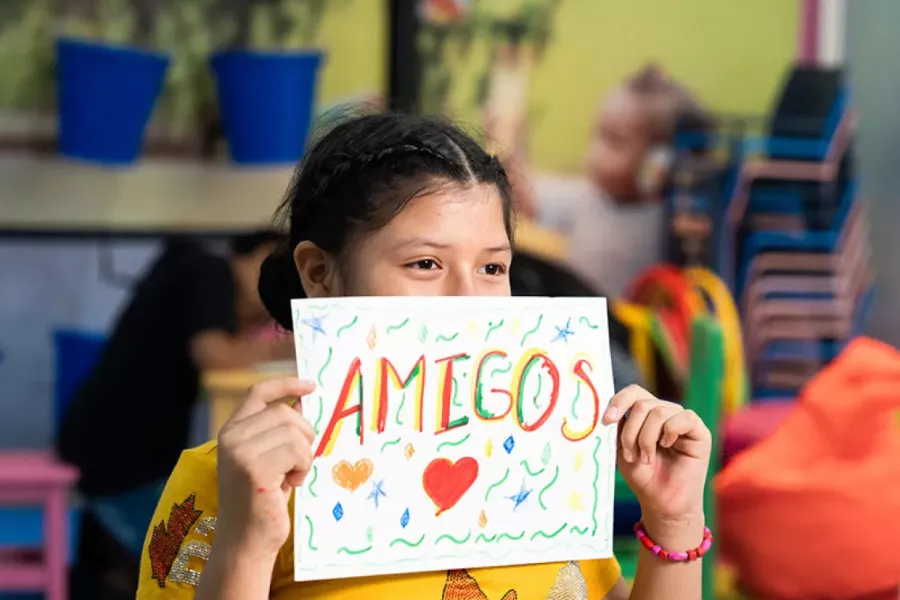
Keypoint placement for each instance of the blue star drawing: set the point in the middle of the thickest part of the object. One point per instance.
(315, 325)
(563, 333)
(519, 497)
(377, 492)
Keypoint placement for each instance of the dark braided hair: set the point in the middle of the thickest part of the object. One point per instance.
(357, 176)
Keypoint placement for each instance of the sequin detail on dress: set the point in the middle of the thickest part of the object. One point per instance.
(166, 539)
(462, 586)
(569, 585)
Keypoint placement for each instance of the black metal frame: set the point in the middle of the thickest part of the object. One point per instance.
(403, 57)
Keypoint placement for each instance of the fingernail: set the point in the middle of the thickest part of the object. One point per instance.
(627, 455)
(611, 413)
(645, 458)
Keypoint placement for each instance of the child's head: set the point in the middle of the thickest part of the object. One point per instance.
(392, 205)
(248, 251)
(639, 117)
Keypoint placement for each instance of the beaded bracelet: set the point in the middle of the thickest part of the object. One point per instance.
(670, 555)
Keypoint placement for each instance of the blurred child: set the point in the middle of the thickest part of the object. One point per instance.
(128, 424)
(614, 219)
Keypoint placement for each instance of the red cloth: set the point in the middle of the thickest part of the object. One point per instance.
(813, 511)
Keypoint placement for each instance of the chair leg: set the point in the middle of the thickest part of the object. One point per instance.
(56, 541)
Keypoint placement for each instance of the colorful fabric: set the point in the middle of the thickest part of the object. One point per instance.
(183, 528)
(811, 511)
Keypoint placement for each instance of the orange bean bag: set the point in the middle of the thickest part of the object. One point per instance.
(813, 511)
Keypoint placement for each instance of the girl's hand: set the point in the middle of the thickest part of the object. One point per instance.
(663, 453)
(264, 452)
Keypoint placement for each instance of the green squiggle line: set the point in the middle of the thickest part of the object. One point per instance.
(532, 330)
(318, 306)
(351, 552)
(456, 443)
(537, 394)
(445, 338)
(578, 530)
(324, 366)
(493, 485)
(547, 487)
(309, 541)
(347, 326)
(586, 322)
(315, 471)
(575, 400)
(400, 410)
(546, 535)
(514, 538)
(483, 538)
(528, 470)
(397, 327)
(499, 370)
(455, 393)
(390, 443)
(319, 416)
(596, 491)
(407, 542)
(449, 537)
(492, 329)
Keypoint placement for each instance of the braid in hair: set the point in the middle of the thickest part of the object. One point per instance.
(358, 175)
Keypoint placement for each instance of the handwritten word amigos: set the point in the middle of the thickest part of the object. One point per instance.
(386, 376)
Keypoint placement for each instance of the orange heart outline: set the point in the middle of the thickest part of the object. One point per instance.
(350, 477)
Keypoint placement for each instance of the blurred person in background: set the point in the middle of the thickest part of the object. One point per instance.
(191, 312)
(614, 219)
(534, 276)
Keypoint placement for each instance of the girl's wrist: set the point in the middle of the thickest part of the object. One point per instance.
(237, 549)
(680, 532)
(236, 574)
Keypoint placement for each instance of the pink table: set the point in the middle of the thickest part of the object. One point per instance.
(38, 478)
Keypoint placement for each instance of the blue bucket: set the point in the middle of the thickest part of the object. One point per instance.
(106, 99)
(266, 101)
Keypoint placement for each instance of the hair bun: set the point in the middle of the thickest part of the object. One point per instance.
(279, 283)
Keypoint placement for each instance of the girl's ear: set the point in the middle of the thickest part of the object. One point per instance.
(318, 271)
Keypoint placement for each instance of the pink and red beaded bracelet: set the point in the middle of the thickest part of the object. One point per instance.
(672, 555)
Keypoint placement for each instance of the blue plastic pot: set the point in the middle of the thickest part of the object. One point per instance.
(266, 102)
(106, 98)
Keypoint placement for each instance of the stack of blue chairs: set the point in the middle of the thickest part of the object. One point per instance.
(788, 232)
(794, 244)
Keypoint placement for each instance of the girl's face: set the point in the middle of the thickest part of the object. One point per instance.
(452, 242)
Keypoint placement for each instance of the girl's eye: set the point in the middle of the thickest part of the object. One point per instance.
(426, 264)
(493, 270)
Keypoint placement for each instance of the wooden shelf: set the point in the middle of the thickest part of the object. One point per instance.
(46, 197)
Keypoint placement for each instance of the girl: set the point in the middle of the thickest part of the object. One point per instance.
(399, 205)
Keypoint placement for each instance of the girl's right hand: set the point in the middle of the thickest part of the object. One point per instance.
(264, 452)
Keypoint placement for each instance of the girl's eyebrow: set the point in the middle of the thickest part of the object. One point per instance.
(419, 242)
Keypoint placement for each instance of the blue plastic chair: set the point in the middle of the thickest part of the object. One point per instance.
(797, 241)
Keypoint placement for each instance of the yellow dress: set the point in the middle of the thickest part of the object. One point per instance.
(183, 528)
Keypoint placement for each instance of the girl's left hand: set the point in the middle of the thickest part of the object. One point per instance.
(663, 453)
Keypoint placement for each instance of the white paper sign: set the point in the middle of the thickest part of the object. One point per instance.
(453, 433)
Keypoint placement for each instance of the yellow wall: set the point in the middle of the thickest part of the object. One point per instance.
(732, 53)
(354, 36)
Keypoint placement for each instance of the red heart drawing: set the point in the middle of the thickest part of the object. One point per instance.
(446, 481)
